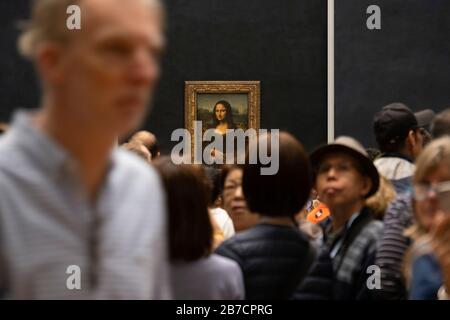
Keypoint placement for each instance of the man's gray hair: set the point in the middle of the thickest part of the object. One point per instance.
(48, 23)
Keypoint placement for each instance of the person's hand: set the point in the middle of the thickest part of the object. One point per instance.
(217, 154)
(441, 244)
(218, 236)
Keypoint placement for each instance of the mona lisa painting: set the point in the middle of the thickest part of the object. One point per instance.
(222, 105)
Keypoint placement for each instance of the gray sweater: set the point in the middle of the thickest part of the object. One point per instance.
(211, 278)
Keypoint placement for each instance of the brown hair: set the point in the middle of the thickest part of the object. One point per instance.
(190, 230)
(284, 193)
(435, 154)
(379, 202)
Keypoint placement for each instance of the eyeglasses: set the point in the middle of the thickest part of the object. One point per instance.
(440, 191)
(339, 167)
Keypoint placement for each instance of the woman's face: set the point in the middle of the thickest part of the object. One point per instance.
(427, 202)
(221, 112)
(234, 202)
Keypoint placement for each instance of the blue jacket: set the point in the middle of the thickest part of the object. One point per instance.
(426, 278)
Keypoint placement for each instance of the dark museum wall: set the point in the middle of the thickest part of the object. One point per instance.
(407, 60)
(283, 44)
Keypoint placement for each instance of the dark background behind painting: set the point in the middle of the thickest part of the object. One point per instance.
(280, 43)
(408, 60)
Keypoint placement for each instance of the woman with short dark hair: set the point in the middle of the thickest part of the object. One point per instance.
(196, 273)
(233, 198)
(274, 255)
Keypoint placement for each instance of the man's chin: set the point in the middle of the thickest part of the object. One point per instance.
(128, 126)
(132, 118)
(330, 202)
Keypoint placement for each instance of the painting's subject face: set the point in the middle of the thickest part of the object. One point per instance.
(220, 112)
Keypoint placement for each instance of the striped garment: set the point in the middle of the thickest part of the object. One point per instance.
(393, 246)
(47, 224)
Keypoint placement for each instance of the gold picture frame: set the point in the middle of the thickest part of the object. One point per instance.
(243, 98)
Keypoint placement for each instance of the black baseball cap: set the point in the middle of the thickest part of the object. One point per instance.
(393, 123)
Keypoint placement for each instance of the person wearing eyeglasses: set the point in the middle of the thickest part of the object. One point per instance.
(344, 177)
(431, 202)
(234, 202)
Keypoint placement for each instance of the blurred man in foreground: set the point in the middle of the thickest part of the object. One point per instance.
(79, 218)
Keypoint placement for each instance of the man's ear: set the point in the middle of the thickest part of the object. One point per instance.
(49, 62)
(411, 141)
(366, 186)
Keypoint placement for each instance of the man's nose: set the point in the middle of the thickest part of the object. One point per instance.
(145, 67)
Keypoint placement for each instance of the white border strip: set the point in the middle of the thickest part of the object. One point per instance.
(330, 108)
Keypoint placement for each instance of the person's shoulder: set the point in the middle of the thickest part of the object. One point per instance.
(275, 233)
(133, 176)
(6, 148)
(128, 163)
(400, 208)
(224, 263)
(3, 152)
(394, 168)
(12, 158)
(219, 211)
(236, 244)
(228, 269)
(403, 199)
(423, 257)
(265, 234)
(373, 229)
(220, 215)
(245, 235)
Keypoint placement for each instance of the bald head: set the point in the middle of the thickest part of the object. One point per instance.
(147, 139)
